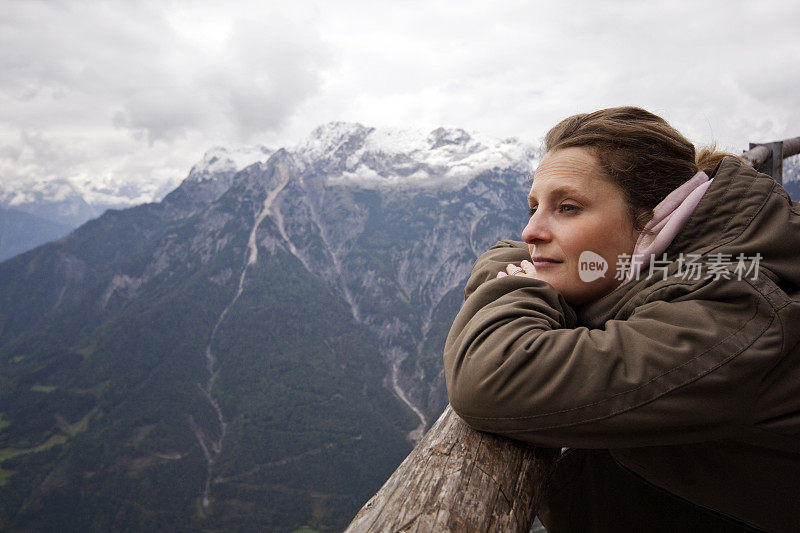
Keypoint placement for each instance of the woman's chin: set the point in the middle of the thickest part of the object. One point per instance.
(575, 292)
(557, 282)
(586, 293)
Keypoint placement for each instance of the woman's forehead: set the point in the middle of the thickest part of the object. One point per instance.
(572, 161)
(571, 170)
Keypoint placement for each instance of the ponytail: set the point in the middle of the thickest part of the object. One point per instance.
(708, 158)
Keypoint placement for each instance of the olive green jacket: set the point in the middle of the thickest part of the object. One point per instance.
(693, 384)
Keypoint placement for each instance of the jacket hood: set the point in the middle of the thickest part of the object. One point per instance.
(745, 212)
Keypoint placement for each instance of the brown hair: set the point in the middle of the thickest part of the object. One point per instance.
(639, 151)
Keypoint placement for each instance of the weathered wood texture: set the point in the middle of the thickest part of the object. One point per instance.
(758, 154)
(791, 147)
(768, 158)
(459, 479)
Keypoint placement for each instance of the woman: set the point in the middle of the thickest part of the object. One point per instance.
(650, 323)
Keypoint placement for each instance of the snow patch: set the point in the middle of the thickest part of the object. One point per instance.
(344, 153)
(220, 159)
(395, 157)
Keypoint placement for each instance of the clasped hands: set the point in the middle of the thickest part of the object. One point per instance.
(525, 269)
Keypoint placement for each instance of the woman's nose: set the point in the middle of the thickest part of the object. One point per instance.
(536, 230)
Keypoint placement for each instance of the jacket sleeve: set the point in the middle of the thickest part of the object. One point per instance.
(493, 261)
(684, 366)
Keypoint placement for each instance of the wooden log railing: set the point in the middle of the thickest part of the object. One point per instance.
(459, 479)
(768, 157)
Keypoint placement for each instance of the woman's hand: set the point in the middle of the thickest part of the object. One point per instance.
(525, 269)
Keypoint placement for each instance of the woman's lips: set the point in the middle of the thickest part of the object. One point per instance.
(544, 262)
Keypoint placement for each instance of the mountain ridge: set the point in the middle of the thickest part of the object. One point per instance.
(67, 203)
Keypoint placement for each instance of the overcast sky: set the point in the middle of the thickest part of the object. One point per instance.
(107, 93)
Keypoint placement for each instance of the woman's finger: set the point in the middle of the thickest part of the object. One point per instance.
(512, 269)
(528, 267)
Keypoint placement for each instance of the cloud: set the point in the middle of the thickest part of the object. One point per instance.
(266, 69)
(515, 68)
(109, 93)
(129, 65)
(250, 83)
(87, 86)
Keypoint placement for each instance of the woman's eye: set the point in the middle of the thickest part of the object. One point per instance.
(569, 208)
(531, 211)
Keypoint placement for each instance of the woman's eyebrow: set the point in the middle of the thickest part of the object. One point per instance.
(561, 190)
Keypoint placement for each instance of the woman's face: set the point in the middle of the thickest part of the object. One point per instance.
(577, 214)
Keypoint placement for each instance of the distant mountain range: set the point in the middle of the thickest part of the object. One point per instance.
(259, 350)
(68, 205)
(20, 231)
(34, 214)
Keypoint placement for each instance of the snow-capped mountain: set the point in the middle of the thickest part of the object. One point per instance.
(220, 160)
(70, 203)
(348, 153)
(57, 200)
(40, 207)
(351, 154)
(271, 331)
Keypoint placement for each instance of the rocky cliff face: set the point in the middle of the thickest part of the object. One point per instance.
(392, 221)
(258, 350)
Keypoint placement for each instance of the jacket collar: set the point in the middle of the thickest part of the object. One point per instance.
(735, 197)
